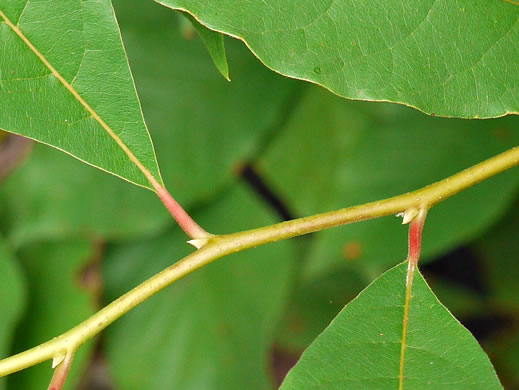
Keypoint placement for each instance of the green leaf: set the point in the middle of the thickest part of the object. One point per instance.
(442, 58)
(505, 357)
(66, 82)
(204, 128)
(462, 300)
(210, 330)
(361, 349)
(314, 304)
(53, 197)
(498, 251)
(229, 126)
(214, 43)
(12, 299)
(346, 153)
(57, 302)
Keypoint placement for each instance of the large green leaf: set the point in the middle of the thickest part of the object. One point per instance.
(12, 299)
(443, 58)
(57, 302)
(200, 122)
(210, 330)
(335, 153)
(65, 81)
(203, 126)
(63, 199)
(361, 349)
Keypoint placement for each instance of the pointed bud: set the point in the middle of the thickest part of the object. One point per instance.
(56, 360)
(198, 242)
(408, 215)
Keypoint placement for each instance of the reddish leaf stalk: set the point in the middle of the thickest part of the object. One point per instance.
(60, 373)
(415, 238)
(188, 225)
(415, 247)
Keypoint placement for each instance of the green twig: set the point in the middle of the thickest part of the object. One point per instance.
(215, 247)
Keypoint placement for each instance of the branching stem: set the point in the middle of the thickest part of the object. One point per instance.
(219, 246)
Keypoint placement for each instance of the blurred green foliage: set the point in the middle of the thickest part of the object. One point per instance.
(223, 326)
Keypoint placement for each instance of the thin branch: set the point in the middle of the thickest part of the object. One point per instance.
(215, 247)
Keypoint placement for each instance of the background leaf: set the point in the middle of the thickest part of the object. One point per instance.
(204, 127)
(498, 253)
(57, 302)
(210, 330)
(54, 186)
(451, 60)
(89, 55)
(214, 43)
(64, 199)
(313, 306)
(361, 347)
(12, 299)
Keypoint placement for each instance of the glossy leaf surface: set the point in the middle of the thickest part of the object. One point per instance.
(204, 127)
(361, 349)
(442, 58)
(66, 82)
(200, 122)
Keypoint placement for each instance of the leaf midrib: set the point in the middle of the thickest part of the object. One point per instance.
(151, 179)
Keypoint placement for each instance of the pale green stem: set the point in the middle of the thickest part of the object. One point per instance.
(219, 246)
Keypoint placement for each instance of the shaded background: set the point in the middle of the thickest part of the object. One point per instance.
(239, 155)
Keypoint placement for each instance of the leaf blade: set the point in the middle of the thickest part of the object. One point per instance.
(372, 322)
(76, 93)
(214, 41)
(431, 57)
(230, 119)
